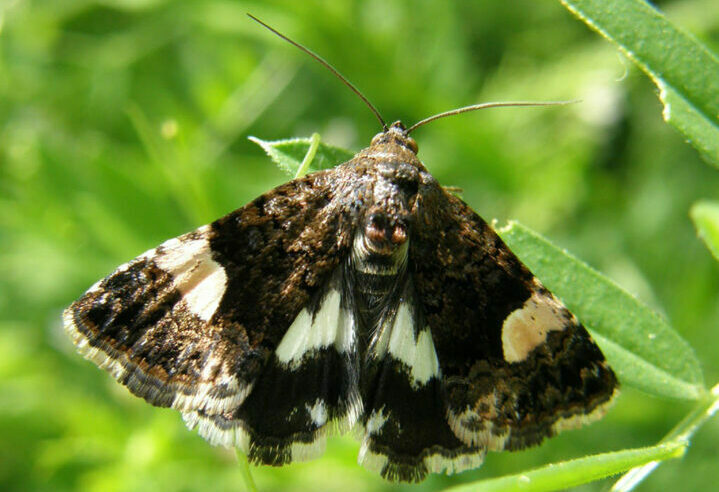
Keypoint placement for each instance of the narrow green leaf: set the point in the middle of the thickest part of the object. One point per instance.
(289, 154)
(685, 71)
(561, 476)
(706, 219)
(701, 132)
(639, 344)
(633, 370)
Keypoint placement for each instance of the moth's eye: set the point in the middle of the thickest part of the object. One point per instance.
(412, 145)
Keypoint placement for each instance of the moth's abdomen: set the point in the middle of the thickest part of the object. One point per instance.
(374, 284)
(372, 291)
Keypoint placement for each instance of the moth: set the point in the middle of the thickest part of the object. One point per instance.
(361, 297)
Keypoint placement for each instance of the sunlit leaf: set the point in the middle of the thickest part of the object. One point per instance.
(685, 71)
(289, 154)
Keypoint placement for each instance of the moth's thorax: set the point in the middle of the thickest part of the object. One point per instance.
(395, 177)
(381, 240)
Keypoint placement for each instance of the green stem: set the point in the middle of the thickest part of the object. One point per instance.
(567, 474)
(683, 431)
(245, 471)
(309, 156)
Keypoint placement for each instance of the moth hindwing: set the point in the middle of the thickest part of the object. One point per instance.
(363, 296)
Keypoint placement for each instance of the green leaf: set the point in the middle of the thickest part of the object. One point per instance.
(289, 154)
(701, 132)
(706, 219)
(685, 71)
(639, 344)
(561, 476)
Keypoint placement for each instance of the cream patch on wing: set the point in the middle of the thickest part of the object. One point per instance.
(372, 461)
(200, 279)
(475, 426)
(376, 421)
(438, 463)
(331, 325)
(527, 327)
(398, 339)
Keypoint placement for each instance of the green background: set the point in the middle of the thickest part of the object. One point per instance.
(124, 123)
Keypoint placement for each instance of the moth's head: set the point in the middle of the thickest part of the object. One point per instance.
(395, 134)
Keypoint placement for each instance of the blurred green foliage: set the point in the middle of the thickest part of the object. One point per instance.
(124, 123)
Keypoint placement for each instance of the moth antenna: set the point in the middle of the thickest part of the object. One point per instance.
(475, 107)
(328, 67)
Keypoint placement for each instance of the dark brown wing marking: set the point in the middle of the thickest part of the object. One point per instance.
(309, 382)
(517, 366)
(192, 323)
(406, 433)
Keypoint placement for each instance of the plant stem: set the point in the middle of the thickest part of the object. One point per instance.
(309, 156)
(245, 471)
(683, 431)
(567, 474)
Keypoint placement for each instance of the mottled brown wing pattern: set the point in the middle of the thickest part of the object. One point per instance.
(193, 324)
(516, 365)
